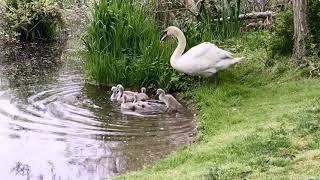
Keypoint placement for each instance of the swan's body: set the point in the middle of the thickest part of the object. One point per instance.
(121, 92)
(172, 104)
(142, 96)
(204, 59)
(114, 95)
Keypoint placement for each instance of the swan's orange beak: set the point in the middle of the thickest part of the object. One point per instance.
(163, 36)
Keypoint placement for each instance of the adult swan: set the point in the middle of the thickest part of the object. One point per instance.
(204, 59)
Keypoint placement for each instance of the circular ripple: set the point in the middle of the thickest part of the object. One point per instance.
(67, 110)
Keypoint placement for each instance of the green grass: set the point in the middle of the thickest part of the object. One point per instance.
(261, 122)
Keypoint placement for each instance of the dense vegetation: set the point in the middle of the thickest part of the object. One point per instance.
(32, 20)
(313, 21)
(282, 42)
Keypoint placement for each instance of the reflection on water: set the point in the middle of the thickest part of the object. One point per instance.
(55, 126)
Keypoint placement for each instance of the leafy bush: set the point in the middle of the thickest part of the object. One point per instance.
(282, 39)
(122, 46)
(31, 20)
(313, 18)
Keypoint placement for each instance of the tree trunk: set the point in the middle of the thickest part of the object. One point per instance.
(300, 31)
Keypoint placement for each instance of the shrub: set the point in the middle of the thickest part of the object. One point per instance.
(32, 20)
(313, 18)
(282, 39)
(122, 46)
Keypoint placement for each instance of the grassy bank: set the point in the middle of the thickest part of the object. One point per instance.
(260, 122)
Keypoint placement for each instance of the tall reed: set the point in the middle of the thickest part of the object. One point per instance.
(122, 46)
(223, 25)
(227, 24)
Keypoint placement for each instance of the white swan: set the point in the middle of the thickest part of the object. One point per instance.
(204, 59)
(114, 95)
(172, 104)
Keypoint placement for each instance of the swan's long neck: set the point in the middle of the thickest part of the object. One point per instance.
(180, 48)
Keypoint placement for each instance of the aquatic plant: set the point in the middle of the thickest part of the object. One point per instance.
(32, 20)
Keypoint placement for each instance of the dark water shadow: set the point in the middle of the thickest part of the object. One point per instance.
(26, 67)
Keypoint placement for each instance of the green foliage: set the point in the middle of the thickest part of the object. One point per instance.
(122, 46)
(255, 152)
(282, 39)
(230, 19)
(227, 172)
(308, 122)
(32, 20)
(223, 25)
(313, 18)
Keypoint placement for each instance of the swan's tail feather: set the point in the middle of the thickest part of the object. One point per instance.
(237, 60)
(228, 62)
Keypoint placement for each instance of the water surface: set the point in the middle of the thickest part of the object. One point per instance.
(55, 126)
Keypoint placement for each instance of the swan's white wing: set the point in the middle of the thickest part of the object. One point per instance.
(203, 59)
(208, 50)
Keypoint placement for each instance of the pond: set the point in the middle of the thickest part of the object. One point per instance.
(55, 126)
